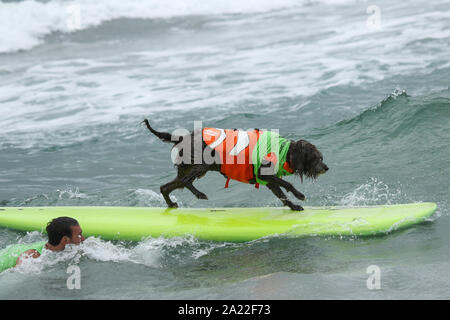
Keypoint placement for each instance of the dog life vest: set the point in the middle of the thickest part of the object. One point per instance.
(242, 153)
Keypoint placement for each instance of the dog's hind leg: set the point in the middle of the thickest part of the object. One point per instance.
(168, 188)
(196, 192)
(279, 193)
(186, 175)
(196, 172)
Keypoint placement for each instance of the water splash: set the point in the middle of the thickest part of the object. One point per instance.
(71, 193)
(392, 96)
(150, 252)
(373, 192)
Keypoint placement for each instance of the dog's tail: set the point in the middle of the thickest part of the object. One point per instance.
(164, 136)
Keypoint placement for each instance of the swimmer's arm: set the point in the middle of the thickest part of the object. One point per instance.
(27, 254)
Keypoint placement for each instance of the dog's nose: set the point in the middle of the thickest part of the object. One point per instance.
(326, 168)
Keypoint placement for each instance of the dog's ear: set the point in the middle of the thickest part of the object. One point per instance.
(296, 156)
(306, 151)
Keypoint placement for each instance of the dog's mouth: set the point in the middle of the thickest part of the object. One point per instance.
(313, 175)
(322, 170)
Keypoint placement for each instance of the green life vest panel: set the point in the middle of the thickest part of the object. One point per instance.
(9, 255)
(270, 142)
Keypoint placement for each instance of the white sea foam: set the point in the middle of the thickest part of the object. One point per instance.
(54, 101)
(148, 252)
(43, 18)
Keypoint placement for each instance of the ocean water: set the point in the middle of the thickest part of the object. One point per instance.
(367, 83)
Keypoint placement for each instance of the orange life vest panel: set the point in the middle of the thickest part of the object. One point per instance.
(235, 149)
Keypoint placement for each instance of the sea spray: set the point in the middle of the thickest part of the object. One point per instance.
(373, 192)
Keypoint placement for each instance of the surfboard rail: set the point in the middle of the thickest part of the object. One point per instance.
(222, 224)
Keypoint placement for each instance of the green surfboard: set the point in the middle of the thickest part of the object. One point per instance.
(222, 224)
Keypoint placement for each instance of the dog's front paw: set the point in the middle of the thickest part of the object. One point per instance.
(296, 207)
(173, 205)
(202, 196)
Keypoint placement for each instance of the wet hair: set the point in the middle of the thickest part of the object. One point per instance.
(306, 159)
(58, 228)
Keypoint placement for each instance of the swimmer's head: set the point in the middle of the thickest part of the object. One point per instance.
(64, 230)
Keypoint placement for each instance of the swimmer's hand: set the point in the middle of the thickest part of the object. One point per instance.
(26, 255)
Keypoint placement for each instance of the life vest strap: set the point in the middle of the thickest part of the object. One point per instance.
(228, 182)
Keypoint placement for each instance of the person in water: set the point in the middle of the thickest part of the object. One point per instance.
(61, 232)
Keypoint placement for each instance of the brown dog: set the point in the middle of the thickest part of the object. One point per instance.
(245, 156)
